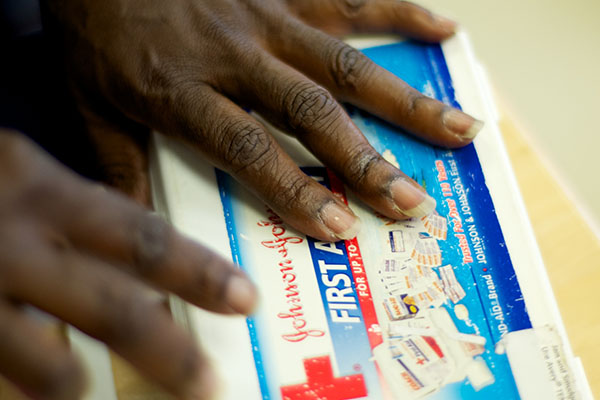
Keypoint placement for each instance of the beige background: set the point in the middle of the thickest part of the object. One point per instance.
(543, 58)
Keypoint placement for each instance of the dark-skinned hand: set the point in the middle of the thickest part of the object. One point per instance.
(188, 67)
(80, 253)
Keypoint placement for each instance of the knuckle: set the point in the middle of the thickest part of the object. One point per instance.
(211, 280)
(296, 194)
(348, 66)
(413, 100)
(245, 145)
(350, 8)
(310, 107)
(361, 165)
(151, 242)
(159, 73)
(171, 84)
(298, 191)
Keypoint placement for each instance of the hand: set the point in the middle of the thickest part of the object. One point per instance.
(186, 68)
(78, 252)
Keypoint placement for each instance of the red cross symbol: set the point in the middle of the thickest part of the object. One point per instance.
(321, 384)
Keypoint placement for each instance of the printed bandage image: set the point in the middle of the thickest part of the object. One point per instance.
(436, 226)
(452, 288)
(427, 252)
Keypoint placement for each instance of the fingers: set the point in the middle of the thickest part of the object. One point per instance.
(76, 214)
(321, 124)
(110, 306)
(107, 225)
(237, 143)
(35, 361)
(57, 255)
(122, 152)
(352, 77)
(341, 17)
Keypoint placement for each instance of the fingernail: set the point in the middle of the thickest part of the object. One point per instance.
(411, 200)
(241, 294)
(462, 124)
(445, 23)
(343, 223)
